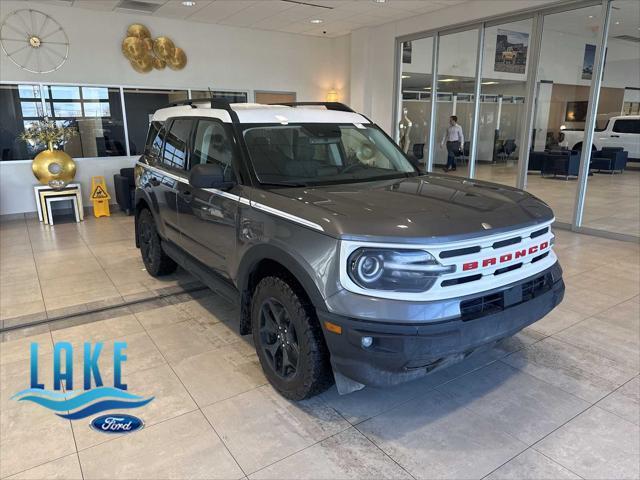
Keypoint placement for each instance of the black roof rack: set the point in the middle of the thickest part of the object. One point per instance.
(219, 103)
(341, 107)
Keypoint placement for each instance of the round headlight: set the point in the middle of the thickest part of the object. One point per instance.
(369, 268)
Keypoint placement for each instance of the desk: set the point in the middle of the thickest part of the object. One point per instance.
(46, 196)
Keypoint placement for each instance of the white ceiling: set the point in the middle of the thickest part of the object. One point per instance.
(339, 17)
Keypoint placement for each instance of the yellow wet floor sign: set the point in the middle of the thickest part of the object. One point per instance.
(100, 197)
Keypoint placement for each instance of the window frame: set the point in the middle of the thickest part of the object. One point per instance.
(629, 121)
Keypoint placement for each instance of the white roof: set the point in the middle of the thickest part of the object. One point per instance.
(258, 113)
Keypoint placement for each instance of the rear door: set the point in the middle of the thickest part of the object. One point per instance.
(208, 217)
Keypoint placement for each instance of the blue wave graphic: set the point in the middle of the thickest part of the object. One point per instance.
(103, 405)
(43, 392)
(81, 399)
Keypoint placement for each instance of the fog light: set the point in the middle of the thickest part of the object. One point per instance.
(366, 342)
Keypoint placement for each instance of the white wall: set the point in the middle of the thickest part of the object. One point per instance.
(219, 57)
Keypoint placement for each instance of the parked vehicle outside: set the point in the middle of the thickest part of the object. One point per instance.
(348, 263)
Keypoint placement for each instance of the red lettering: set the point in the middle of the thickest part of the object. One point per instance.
(533, 249)
(544, 245)
(469, 266)
(506, 257)
(488, 261)
(521, 253)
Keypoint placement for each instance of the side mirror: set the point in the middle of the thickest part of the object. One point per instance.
(206, 175)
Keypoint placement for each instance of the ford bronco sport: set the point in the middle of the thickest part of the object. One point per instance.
(348, 264)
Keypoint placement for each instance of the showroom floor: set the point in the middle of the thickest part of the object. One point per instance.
(560, 400)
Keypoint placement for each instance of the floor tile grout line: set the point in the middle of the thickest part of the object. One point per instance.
(13, 474)
(33, 255)
(611, 393)
(194, 400)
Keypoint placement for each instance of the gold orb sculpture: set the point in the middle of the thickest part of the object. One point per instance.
(143, 64)
(164, 48)
(146, 53)
(54, 168)
(178, 61)
(138, 30)
(133, 48)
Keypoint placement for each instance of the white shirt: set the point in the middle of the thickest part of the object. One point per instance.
(453, 134)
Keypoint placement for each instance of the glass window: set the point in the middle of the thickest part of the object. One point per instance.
(141, 104)
(612, 201)
(455, 102)
(317, 154)
(213, 144)
(174, 154)
(415, 110)
(155, 140)
(502, 109)
(21, 105)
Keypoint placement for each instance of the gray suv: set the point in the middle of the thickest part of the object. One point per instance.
(347, 262)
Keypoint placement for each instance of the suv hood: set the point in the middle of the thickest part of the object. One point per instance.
(413, 209)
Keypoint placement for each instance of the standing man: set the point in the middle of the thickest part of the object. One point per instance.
(455, 140)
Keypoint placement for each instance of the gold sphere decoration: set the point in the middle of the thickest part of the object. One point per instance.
(158, 63)
(164, 48)
(54, 168)
(148, 44)
(178, 61)
(138, 30)
(133, 48)
(143, 64)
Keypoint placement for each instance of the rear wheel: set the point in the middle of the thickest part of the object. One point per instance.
(155, 260)
(288, 340)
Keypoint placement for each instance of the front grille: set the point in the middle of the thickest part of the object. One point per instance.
(506, 243)
(459, 251)
(495, 302)
(537, 233)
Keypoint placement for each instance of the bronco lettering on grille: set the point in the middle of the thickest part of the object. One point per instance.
(505, 257)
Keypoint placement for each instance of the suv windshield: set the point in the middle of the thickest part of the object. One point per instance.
(316, 154)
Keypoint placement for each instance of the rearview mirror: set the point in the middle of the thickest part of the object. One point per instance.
(207, 175)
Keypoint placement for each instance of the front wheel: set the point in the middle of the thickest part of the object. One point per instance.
(289, 341)
(155, 260)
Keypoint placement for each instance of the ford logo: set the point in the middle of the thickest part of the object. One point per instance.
(117, 423)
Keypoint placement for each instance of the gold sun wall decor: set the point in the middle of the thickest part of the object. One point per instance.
(146, 53)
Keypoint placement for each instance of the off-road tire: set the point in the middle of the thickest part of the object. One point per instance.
(313, 374)
(155, 260)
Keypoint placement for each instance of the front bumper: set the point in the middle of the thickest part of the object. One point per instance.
(404, 351)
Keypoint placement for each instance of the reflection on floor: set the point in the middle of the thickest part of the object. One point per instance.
(612, 202)
(559, 400)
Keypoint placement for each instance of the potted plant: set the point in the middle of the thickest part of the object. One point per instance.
(51, 166)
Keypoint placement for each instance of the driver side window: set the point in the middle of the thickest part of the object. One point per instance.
(213, 144)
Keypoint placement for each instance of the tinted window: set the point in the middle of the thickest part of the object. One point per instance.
(174, 154)
(213, 144)
(627, 126)
(154, 139)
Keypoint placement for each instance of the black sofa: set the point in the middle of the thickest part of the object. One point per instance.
(125, 187)
(565, 163)
(609, 159)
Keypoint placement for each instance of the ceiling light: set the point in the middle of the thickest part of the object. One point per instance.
(427, 88)
(316, 20)
(447, 80)
(490, 83)
(590, 16)
(188, 3)
(379, 1)
(618, 22)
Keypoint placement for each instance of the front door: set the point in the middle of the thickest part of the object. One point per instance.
(208, 217)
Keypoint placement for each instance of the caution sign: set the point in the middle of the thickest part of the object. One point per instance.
(100, 197)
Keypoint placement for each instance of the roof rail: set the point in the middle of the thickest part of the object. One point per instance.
(341, 107)
(218, 103)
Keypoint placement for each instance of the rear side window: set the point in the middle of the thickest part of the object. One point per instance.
(213, 144)
(174, 154)
(627, 126)
(155, 137)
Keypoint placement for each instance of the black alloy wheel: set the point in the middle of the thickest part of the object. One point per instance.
(156, 262)
(278, 338)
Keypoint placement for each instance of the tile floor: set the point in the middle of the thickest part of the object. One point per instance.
(559, 400)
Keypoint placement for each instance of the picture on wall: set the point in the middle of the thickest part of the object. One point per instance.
(587, 63)
(576, 111)
(511, 51)
(406, 52)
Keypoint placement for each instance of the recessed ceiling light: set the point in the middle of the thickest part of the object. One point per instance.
(590, 16)
(447, 80)
(618, 22)
(379, 1)
(316, 20)
(406, 76)
(188, 3)
(490, 83)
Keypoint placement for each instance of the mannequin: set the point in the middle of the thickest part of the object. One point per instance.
(405, 127)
